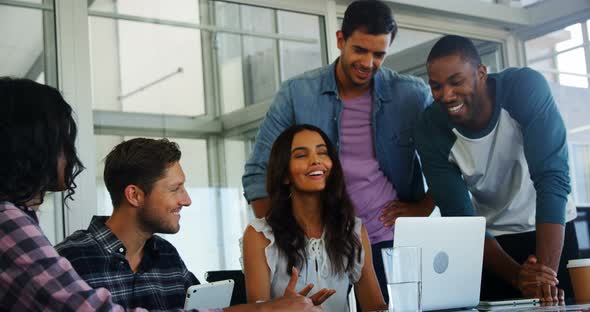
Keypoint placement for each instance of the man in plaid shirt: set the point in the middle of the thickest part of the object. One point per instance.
(38, 135)
(121, 252)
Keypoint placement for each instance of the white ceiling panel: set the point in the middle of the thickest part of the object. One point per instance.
(21, 39)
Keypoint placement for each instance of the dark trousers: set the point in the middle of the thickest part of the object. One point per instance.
(379, 270)
(519, 247)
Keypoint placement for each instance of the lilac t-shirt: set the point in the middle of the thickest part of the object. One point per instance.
(366, 184)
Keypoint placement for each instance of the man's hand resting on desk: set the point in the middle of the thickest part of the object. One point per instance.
(398, 209)
(536, 280)
(291, 301)
(289, 304)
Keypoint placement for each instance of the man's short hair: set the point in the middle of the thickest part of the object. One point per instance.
(451, 45)
(371, 16)
(140, 162)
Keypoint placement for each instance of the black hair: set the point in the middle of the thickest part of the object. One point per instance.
(453, 44)
(36, 129)
(139, 161)
(371, 16)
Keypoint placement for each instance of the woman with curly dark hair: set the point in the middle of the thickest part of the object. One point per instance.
(311, 228)
(38, 134)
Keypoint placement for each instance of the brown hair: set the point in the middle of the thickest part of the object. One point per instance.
(140, 162)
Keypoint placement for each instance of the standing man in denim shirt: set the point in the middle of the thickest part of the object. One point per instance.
(369, 113)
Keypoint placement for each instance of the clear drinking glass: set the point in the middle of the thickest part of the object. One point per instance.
(403, 270)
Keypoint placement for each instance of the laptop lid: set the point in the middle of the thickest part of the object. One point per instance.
(452, 258)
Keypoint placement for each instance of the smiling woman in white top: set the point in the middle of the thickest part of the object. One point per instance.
(310, 227)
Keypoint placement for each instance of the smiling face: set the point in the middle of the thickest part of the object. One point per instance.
(160, 212)
(361, 55)
(309, 164)
(459, 87)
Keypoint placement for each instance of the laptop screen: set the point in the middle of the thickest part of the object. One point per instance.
(452, 258)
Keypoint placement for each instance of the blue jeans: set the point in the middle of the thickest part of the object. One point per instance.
(519, 247)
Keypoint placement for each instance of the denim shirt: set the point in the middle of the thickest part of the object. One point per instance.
(312, 98)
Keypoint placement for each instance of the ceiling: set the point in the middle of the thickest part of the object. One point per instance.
(514, 3)
(21, 39)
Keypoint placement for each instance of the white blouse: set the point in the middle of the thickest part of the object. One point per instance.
(316, 269)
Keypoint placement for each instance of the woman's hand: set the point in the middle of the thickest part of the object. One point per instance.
(318, 298)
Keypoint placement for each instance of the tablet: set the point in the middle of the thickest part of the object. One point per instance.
(209, 296)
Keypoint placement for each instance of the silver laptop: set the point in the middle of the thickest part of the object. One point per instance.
(452, 255)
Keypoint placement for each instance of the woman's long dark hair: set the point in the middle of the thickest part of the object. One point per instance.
(36, 126)
(337, 210)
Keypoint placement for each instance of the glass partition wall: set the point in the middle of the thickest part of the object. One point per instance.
(203, 72)
(162, 69)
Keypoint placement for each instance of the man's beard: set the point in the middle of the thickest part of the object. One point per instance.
(152, 224)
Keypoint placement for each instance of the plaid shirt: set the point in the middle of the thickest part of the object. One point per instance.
(98, 256)
(33, 277)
